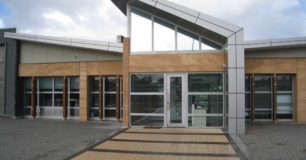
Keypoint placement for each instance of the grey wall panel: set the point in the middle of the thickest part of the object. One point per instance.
(298, 52)
(44, 53)
(2, 50)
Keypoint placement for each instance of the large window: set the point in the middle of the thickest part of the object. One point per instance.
(109, 96)
(74, 97)
(284, 97)
(147, 99)
(263, 96)
(248, 97)
(151, 33)
(27, 83)
(205, 100)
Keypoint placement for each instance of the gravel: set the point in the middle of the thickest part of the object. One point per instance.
(50, 139)
(280, 141)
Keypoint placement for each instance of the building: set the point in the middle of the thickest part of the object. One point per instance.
(176, 68)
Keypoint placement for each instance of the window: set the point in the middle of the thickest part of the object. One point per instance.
(110, 97)
(248, 97)
(94, 97)
(205, 100)
(141, 31)
(27, 94)
(164, 36)
(74, 97)
(187, 41)
(147, 99)
(150, 33)
(284, 97)
(263, 96)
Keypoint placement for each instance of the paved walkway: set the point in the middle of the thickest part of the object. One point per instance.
(165, 144)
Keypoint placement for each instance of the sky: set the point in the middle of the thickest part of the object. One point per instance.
(101, 20)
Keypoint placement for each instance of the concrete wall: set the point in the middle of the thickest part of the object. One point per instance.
(45, 53)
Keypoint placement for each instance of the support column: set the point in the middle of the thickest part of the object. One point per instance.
(301, 91)
(101, 98)
(253, 113)
(274, 105)
(33, 97)
(83, 92)
(236, 84)
(125, 78)
(65, 98)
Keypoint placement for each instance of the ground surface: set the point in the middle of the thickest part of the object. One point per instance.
(50, 139)
(164, 144)
(281, 141)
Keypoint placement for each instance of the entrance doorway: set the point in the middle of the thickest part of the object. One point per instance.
(176, 106)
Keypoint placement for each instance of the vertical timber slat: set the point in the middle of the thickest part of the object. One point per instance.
(118, 98)
(33, 97)
(125, 76)
(274, 107)
(65, 98)
(253, 98)
(101, 98)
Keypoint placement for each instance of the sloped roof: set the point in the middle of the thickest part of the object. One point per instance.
(213, 24)
(78, 43)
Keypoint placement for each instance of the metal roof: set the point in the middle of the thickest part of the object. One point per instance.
(70, 42)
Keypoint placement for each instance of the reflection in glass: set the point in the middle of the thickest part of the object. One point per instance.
(263, 83)
(175, 99)
(45, 84)
(27, 84)
(209, 45)
(74, 100)
(45, 100)
(58, 100)
(74, 84)
(147, 104)
(152, 121)
(205, 104)
(284, 83)
(164, 36)
(110, 113)
(110, 100)
(58, 84)
(94, 84)
(141, 31)
(110, 84)
(147, 83)
(187, 41)
(205, 82)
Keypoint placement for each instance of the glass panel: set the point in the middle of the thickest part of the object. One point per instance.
(74, 84)
(147, 121)
(110, 113)
(58, 100)
(175, 100)
(247, 106)
(45, 84)
(205, 82)
(284, 106)
(263, 101)
(263, 114)
(110, 100)
(74, 112)
(110, 84)
(45, 100)
(94, 100)
(202, 122)
(205, 104)
(94, 113)
(27, 82)
(74, 100)
(147, 104)
(58, 84)
(284, 83)
(27, 111)
(247, 83)
(147, 83)
(94, 84)
(27, 99)
(208, 45)
(187, 41)
(141, 31)
(263, 83)
(164, 36)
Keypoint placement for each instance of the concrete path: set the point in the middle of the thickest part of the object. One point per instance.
(164, 144)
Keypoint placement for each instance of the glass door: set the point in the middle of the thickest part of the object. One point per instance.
(176, 99)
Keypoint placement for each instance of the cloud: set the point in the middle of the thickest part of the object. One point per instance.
(1, 23)
(101, 20)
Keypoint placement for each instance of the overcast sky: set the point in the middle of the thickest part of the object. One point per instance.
(101, 20)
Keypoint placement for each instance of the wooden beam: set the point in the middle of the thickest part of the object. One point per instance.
(274, 98)
(65, 98)
(101, 98)
(33, 97)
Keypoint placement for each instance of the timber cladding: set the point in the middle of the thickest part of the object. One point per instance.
(70, 69)
(295, 66)
(182, 62)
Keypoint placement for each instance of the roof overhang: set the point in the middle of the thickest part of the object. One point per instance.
(215, 29)
(69, 42)
(275, 44)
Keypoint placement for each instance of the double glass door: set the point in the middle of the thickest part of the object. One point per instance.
(176, 106)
